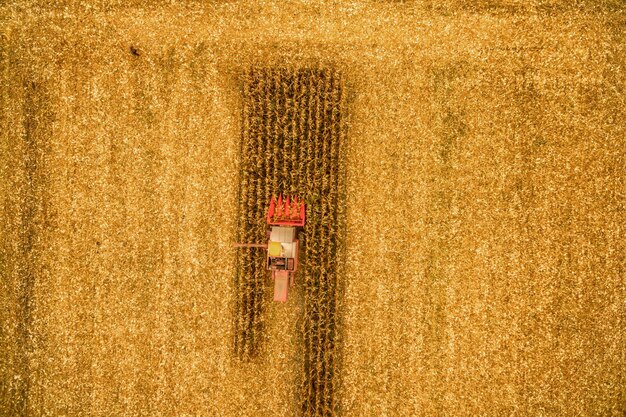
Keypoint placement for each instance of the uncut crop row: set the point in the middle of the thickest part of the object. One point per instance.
(291, 139)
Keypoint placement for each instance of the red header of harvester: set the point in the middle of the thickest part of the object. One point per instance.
(289, 212)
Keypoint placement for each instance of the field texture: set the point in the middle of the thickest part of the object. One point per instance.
(471, 153)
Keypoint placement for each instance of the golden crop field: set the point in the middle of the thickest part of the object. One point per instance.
(463, 169)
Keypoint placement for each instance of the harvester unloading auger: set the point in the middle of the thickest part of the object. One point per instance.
(284, 216)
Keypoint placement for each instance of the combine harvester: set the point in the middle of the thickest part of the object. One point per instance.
(283, 219)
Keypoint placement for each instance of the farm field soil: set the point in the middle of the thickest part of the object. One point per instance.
(478, 261)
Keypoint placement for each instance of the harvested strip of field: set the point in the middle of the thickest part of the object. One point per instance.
(291, 145)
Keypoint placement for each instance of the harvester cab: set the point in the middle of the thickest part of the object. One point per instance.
(284, 217)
